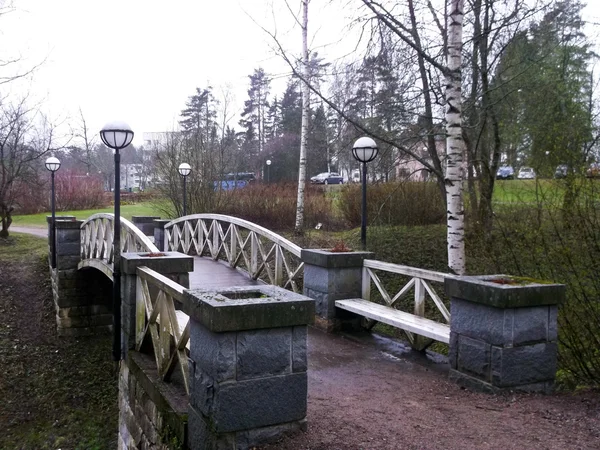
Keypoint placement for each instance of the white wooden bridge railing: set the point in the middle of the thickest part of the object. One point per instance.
(157, 319)
(243, 244)
(415, 324)
(97, 239)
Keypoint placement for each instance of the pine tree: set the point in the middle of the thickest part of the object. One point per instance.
(254, 116)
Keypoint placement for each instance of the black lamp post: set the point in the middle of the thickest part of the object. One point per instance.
(364, 150)
(184, 170)
(53, 164)
(268, 171)
(117, 135)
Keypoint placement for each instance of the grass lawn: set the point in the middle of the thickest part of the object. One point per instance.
(547, 191)
(127, 211)
(56, 392)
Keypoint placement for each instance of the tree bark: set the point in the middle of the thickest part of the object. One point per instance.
(304, 127)
(454, 141)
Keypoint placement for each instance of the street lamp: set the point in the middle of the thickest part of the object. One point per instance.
(53, 164)
(117, 135)
(184, 170)
(364, 150)
(268, 171)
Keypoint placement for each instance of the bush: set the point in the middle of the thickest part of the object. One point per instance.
(404, 203)
(550, 240)
(274, 206)
(30, 198)
(75, 191)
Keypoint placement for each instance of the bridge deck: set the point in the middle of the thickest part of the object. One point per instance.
(211, 274)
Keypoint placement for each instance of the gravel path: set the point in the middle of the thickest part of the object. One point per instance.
(372, 393)
(41, 232)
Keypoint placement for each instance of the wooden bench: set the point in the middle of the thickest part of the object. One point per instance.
(400, 319)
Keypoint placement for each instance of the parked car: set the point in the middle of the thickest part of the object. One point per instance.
(593, 171)
(561, 171)
(327, 178)
(526, 173)
(505, 173)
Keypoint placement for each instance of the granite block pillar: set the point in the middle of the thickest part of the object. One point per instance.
(159, 233)
(503, 333)
(145, 224)
(331, 276)
(173, 265)
(248, 380)
(50, 240)
(81, 297)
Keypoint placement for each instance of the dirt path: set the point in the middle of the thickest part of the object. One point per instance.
(372, 394)
(54, 392)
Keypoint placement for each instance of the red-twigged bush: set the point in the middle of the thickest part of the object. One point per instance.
(274, 206)
(75, 191)
(405, 203)
(30, 198)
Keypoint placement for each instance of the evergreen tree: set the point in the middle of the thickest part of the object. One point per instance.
(254, 115)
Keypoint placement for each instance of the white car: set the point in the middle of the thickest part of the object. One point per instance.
(526, 173)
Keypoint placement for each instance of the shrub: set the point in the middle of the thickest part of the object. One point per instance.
(75, 191)
(274, 206)
(404, 203)
(30, 198)
(548, 240)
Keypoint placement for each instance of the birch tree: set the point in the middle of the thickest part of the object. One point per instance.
(305, 116)
(454, 141)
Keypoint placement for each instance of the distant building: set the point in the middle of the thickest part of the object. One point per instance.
(131, 177)
(408, 168)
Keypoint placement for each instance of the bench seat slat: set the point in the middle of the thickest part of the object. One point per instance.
(400, 319)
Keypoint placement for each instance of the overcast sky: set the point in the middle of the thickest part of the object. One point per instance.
(139, 60)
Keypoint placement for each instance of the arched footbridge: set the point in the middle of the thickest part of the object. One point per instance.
(220, 306)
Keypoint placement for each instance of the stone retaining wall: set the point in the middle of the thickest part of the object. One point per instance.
(152, 414)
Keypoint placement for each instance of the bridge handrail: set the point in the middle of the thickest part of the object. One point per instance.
(259, 252)
(168, 328)
(419, 281)
(97, 238)
(280, 240)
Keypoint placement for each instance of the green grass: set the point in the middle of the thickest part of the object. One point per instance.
(548, 191)
(18, 245)
(127, 211)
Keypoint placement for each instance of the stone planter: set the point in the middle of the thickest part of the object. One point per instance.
(331, 276)
(503, 332)
(248, 371)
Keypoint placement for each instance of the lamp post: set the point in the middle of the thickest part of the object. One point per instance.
(53, 164)
(184, 170)
(364, 150)
(117, 135)
(268, 171)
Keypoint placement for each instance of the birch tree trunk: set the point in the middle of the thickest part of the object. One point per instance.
(304, 130)
(454, 141)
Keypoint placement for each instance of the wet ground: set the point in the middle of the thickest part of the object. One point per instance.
(369, 392)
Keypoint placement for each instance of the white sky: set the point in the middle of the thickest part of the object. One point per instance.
(139, 60)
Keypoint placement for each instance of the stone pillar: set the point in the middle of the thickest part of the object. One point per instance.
(173, 265)
(248, 381)
(145, 223)
(159, 233)
(331, 276)
(50, 240)
(81, 298)
(503, 332)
